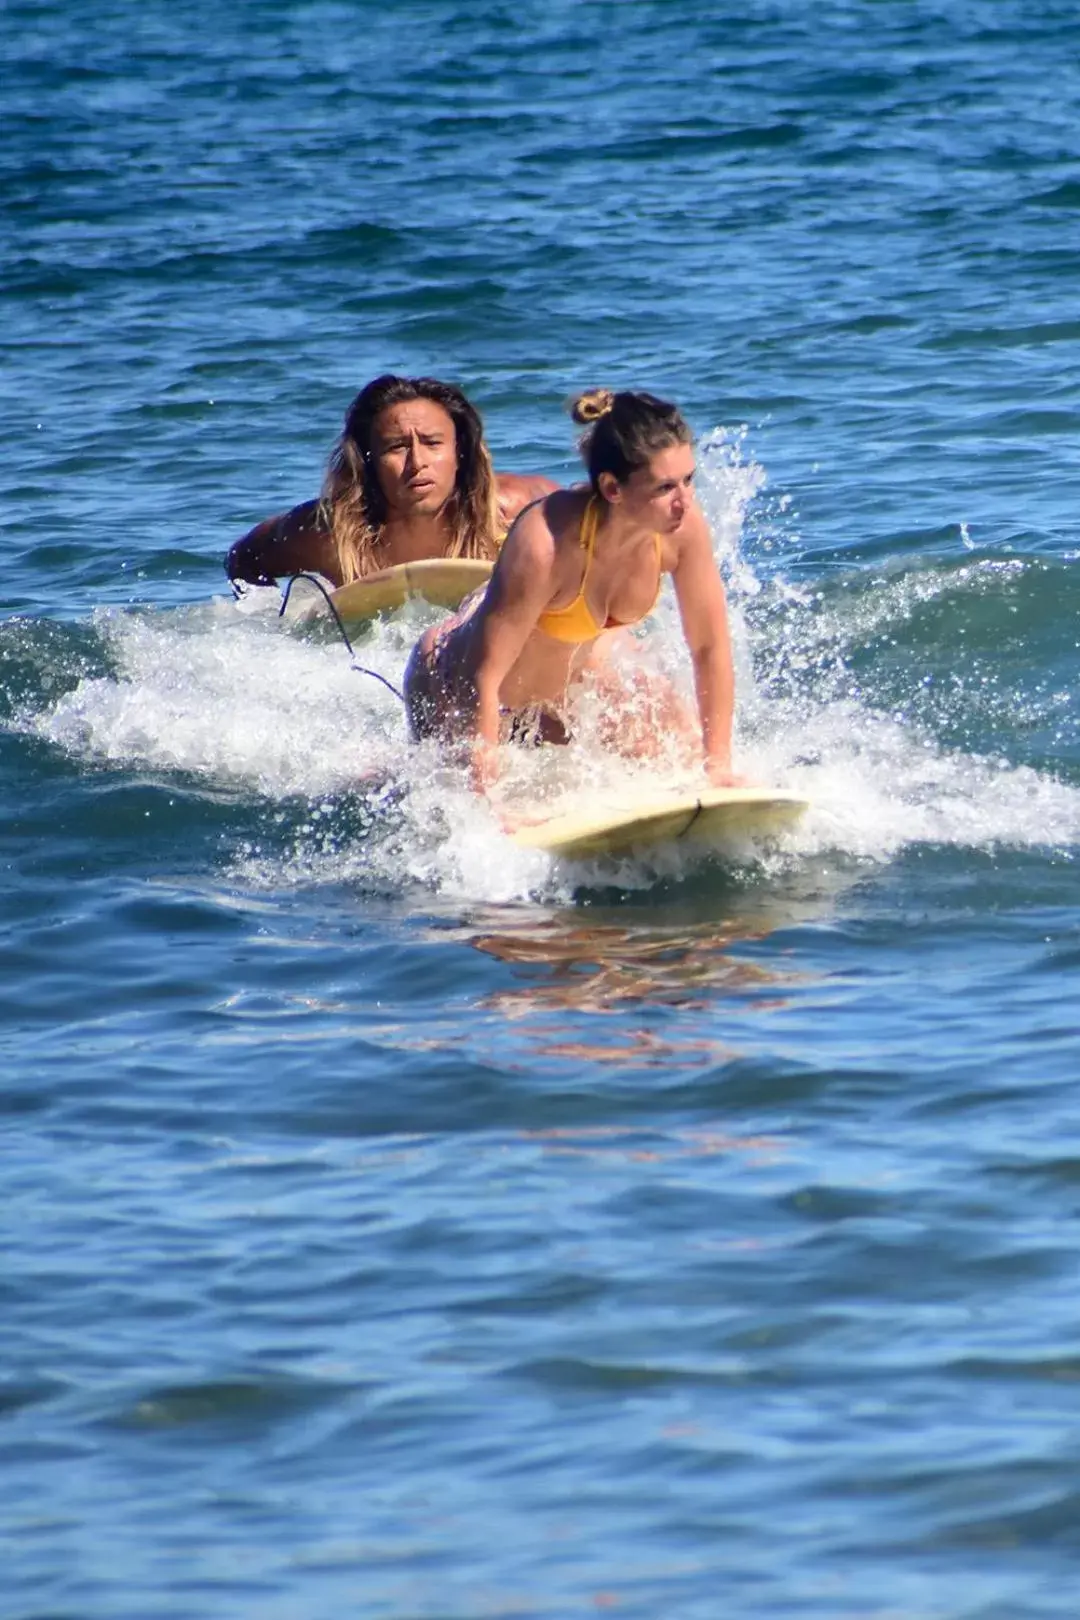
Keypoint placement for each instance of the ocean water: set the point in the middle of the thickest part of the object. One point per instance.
(398, 1223)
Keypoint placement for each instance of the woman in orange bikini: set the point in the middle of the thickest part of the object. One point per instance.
(575, 567)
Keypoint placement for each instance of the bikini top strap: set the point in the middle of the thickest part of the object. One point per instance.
(590, 522)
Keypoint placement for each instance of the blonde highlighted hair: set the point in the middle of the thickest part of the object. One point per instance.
(353, 507)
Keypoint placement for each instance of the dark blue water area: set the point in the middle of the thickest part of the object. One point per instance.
(396, 1221)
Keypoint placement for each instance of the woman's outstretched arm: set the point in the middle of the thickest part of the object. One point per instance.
(702, 603)
(292, 542)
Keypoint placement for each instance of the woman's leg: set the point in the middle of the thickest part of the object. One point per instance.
(427, 694)
(438, 687)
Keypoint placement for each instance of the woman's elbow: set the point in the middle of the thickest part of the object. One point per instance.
(712, 654)
(243, 570)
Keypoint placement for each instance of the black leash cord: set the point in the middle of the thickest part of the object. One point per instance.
(697, 811)
(360, 669)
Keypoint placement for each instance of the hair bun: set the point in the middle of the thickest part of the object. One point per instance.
(592, 405)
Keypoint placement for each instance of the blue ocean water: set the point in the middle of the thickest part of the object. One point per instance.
(395, 1222)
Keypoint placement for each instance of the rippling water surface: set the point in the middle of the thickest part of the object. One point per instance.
(398, 1223)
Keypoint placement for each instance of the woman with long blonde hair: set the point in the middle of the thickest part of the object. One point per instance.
(409, 477)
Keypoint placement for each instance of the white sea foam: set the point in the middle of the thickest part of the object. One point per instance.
(225, 694)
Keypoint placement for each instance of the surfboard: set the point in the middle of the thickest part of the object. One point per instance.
(442, 581)
(709, 816)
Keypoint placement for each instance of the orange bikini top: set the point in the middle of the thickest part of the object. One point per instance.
(575, 622)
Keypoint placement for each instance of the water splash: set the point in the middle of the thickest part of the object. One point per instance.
(832, 701)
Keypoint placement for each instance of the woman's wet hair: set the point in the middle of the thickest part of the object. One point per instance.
(353, 506)
(623, 431)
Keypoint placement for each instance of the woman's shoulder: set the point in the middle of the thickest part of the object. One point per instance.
(553, 519)
(693, 532)
(690, 548)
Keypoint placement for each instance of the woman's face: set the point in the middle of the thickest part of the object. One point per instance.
(414, 453)
(658, 495)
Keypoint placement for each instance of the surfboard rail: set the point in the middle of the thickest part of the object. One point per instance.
(619, 825)
(442, 581)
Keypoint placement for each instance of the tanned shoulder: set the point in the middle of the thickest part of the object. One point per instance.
(516, 491)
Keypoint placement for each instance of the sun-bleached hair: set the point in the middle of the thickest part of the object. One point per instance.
(623, 431)
(352, 505)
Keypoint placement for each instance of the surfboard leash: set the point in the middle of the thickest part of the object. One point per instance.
(697, 811)
(361, 669)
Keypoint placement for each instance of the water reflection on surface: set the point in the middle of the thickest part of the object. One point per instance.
(634, 975)
(647, 1145)
(602, 967)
